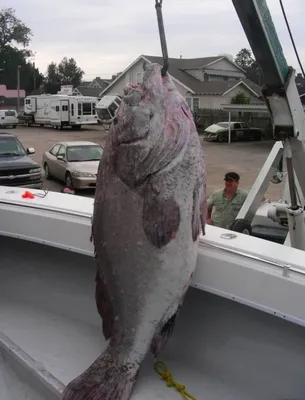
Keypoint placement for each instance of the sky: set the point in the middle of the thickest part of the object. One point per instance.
(105, 36)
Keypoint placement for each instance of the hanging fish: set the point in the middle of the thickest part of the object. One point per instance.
(148, 212)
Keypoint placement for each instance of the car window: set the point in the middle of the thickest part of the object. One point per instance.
(84, 153)
(10, 146)
(62, 151)
(237, 125)
(244, 125)
(55, 149)
(10, 113)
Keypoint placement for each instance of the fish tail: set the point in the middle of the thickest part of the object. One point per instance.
(105, 379)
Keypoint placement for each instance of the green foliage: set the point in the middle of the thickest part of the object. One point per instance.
(241, 98)
(12, 30)
(245, 61)
(65, 73)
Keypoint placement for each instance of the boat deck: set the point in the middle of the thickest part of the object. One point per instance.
(220, 349)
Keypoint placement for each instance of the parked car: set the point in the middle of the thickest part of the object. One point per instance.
(239, 131)
(74, 163)
(8, 118)
(16, 167)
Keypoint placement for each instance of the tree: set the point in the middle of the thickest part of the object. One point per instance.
(30, 77)
(69, 72)
(252, 70)
(241, 98)
(52, 82)
(244, 59)
(65, 73)
(12, 30)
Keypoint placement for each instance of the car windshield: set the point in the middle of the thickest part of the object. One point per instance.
(10, 146)
(223, 124)
(84, 153)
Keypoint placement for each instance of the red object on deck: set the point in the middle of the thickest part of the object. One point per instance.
(28, 195)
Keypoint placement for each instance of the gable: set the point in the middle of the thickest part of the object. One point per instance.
(225, 65)
(241, 87)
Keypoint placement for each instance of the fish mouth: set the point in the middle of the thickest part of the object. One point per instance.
(133, 141)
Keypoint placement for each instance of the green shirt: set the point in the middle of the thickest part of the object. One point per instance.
(225, 211)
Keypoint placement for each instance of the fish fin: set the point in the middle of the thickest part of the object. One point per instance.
(161, 218)
(198, 217)
(167, 325)
(164, 334)
(103, 380)
(104, 305)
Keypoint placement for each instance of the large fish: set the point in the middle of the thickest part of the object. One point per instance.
(148, 211)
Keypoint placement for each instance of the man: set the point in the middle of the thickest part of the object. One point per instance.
(226, 202)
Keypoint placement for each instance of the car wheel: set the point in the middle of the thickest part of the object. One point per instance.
(47, 172)
(242, 226)
(68, 180)
(14, 126)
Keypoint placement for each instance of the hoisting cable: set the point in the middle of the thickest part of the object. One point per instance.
(162, 36)
(291, 37)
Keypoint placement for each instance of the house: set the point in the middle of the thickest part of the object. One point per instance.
(93, 88)
(208, 82)
(9, 98)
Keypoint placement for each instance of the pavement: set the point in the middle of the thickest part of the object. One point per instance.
(246, 158)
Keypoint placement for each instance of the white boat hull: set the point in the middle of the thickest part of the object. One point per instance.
(240, 334)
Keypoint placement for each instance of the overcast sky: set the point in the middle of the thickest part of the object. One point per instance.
(104, 36)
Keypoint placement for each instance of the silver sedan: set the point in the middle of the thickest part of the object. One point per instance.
(74, 163)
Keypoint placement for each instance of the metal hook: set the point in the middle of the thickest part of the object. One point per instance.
(162, 37)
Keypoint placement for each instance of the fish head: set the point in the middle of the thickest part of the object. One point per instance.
(147, 128)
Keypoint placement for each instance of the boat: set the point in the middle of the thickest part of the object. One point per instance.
(239, 335)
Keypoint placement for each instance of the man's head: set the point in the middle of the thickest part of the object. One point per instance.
(231, 180)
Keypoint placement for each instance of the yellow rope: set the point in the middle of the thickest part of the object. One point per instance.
(161, 369)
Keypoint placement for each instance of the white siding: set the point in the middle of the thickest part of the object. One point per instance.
(216, 102)
(131, 76)
(228, 97)
(196, 73)
(224, 65)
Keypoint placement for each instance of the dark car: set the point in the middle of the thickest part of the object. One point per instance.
(16, 167)
(239, 131)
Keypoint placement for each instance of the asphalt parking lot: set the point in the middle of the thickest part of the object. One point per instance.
(246, 158)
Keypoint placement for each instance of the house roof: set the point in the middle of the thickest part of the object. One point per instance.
(176, 70)
(89, 91)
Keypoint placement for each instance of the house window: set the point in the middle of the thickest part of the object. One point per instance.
(215, 78)
(196, 104)
(193, 103)
(72, 110)
(139, 78)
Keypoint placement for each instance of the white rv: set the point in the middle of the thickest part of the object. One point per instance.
(107, 107)
(60, 110)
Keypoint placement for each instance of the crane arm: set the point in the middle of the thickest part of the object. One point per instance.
(283, 101)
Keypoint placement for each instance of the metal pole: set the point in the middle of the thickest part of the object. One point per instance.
(34, 77)
(18, 88)
(229, 138)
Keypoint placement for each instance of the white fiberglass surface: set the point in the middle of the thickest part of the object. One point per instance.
(219, 350)
(12, 387)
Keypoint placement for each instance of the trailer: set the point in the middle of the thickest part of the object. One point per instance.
(107, 108)
(60, 110)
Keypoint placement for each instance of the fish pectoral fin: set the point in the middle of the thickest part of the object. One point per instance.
(104, 306)
(165, 331)
(198, 217)
(161, 218)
